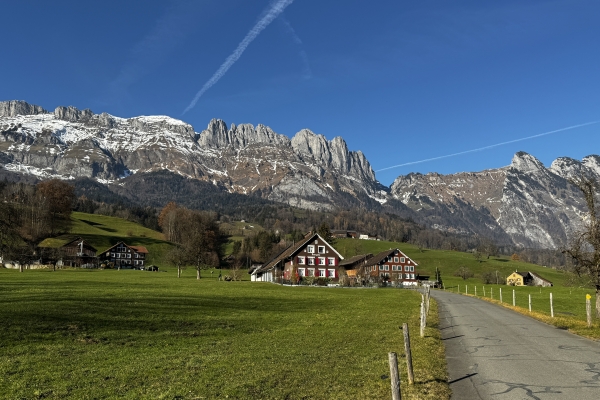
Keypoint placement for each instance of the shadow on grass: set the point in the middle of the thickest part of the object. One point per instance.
(186, 315)
(92, 223)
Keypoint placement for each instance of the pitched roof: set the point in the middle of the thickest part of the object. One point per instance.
(138, 249)
(353, 260)
(290, 250)
(379, 257)
(539, 277)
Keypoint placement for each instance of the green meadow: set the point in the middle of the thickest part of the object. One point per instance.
(103, 334)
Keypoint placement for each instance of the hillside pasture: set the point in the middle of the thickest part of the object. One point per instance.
(102, 232)
(101, 334)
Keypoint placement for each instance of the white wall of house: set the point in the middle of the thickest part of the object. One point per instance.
(264, 277)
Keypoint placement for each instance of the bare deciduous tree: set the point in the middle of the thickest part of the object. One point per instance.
(584, 249)
(464, 273)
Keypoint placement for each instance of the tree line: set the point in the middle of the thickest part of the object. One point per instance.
(31, 213)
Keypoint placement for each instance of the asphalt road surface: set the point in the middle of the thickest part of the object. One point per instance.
(496, 353)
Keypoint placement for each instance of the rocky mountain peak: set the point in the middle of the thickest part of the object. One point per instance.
(13, 108)
(593, 164)
(72, 114)
(525, 162)
(566, 167)
(217, 136)
(162, 123)
(332, 154)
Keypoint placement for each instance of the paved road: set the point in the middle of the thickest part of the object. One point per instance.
(495, 353)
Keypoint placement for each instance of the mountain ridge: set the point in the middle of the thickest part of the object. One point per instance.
(524, 203)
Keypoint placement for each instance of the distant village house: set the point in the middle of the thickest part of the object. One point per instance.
(124, 256)
(527, 279)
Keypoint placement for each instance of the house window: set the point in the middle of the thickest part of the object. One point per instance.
(331, 273)
(387, 267)
(310, 249)
(402, 259)
(395, 259)
(311, 261)
(407, 276)
(331, 261)
(321, 249)
(311, 272)
(381, 267)
(412, 268)
(112, 255)
(300, 260)
(322, 272)
(128, 255)
(412, 276)
(301, 272)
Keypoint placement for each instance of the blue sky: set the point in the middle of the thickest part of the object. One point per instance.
(401, 81)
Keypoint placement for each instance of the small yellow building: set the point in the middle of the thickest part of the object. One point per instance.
(527, 278)
(516, 278)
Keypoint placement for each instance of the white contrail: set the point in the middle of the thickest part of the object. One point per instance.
(489, 147)
(273, 12)
(307, 71)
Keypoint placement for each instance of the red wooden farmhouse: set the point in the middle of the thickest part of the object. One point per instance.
(310, 257)
(394, 266)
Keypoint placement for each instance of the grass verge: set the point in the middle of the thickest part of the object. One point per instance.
(569, 307)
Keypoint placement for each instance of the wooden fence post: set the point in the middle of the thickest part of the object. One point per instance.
(409, 366)
(529, 302)
(458, 288)
(514, 299)
(551, 307)
(500, 295)
(588, 309)
(394, 376)
(484, 291)
(475, 291)
(492, 293)
(427, 300)
(466, 289)
(423, 320)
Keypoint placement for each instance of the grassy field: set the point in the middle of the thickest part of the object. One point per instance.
(102, 232)
(93, 334)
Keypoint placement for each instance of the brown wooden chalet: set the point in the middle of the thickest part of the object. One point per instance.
(310, 257)
(78, 253)
(393, 266)
(122, 255)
